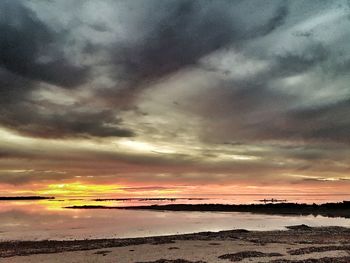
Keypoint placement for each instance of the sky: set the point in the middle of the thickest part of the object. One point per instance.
(174, 97)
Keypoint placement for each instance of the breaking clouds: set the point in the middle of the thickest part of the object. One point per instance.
(256, 90)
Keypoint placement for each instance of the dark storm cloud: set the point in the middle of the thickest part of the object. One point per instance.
(270, 78)
(48, 120)
(12, 87)
(300, 61)
(185, 32)
(277, 20)
(325, 123)
(189, 31)
(173, 35)
(261, 107)
(159, 39)
(30, 52)
(63, 123)
(27, 48)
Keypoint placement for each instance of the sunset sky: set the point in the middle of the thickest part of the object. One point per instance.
(174, 98)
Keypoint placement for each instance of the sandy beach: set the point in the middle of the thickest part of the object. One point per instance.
(298, 244)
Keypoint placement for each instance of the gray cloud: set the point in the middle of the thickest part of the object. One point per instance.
(62, 123)
(30, 52)
(187, 31)
(184, 32)
(171, 36)
(324, 123)
(279, 102)
(28, 48)
(29, 176)
(289, 85)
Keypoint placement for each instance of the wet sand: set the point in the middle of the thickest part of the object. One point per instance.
(298, 244)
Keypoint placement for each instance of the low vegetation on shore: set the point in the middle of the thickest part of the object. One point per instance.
(341, 209)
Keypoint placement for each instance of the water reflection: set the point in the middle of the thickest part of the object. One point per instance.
(48, 219)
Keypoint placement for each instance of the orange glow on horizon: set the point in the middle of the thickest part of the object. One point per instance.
(128, 189)
(79, 189)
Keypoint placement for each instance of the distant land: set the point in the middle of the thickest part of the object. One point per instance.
(146, 199)
(341, 209)
(7, 198)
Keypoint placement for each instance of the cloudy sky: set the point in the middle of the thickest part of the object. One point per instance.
(174, 97)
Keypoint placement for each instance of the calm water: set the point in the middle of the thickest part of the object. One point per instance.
(48, 219)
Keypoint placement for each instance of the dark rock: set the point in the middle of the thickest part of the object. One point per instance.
(248, 254)
(314, 260)
(300, 227)
(309, 250)
(172, 261)
(103, 252)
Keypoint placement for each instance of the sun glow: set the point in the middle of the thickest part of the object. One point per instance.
(79, 189)
(143, 146)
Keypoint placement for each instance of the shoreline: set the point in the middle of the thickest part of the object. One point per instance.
(293, 243)
(341, 209)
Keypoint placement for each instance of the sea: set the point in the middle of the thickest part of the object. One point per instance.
(50, 219)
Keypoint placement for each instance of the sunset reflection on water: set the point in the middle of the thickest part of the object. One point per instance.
(49, 219)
